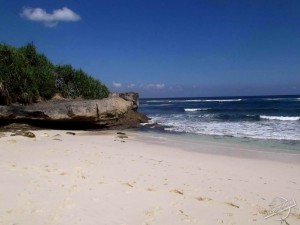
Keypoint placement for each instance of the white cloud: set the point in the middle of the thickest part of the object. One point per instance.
(160, 86)
(157, 86)
(50, 19)
(117, 85)
(131, 85)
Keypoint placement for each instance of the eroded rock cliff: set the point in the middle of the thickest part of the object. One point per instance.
(116, 111)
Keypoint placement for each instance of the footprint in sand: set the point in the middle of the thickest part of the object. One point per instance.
(151, 214)
(128, 185)
(9, 211)
(80, 174)
(45, 135)
(182, 213)
(231, 204)
(296, 215)
(63, 173)
(151, 189)
(187, 218)
(203, 199)
(11, 142)
(220, 221)
(56, 139)
(177, 191)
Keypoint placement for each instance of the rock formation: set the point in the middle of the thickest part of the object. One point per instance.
(116, 111)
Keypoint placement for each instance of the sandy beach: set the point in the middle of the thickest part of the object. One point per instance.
(107, 178)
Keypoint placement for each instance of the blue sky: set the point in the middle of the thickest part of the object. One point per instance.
(165, 48)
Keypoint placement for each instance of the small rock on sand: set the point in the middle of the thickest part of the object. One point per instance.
(24, 134)
(122, 136)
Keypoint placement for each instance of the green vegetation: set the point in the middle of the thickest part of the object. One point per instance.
(27, 76)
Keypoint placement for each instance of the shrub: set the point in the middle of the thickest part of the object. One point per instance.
(75, 83)
(27, 76)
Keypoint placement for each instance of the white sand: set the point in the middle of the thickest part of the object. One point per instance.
(97, 179)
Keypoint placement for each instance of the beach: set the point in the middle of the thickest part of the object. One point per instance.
(136, 178)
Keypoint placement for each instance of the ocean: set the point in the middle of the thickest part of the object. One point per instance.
(264, 119)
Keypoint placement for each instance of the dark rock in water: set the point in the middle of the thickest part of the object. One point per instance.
(122, 133)
(151, 125)
(116, 111)
(71, 133)
(154, 126)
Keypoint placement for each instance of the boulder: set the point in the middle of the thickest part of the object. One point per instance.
(130, 119)
(24, 133)
(72, 110)
(112, 112)
(129, 96)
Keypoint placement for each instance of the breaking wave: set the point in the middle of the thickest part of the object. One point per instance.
(196, 109)
(283, 118)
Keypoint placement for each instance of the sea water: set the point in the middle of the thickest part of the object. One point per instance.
(272, 121)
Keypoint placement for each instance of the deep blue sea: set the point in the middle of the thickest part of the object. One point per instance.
(259, 117)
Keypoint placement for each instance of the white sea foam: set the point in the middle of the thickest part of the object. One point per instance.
(224, 100)
(214, 100)
(156, 101)
(194, 100)
(284, 118)
(284, 99)
(196, 109)
(165, 101)
(264, 129)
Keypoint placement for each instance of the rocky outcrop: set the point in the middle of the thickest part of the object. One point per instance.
(116, 111)
(129, 96)
(130, 119)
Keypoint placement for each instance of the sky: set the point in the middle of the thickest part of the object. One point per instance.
(167, 48)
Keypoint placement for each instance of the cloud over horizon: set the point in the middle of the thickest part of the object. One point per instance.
(117, 85)
(131, 85)
(157, 86)
(49, 19)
